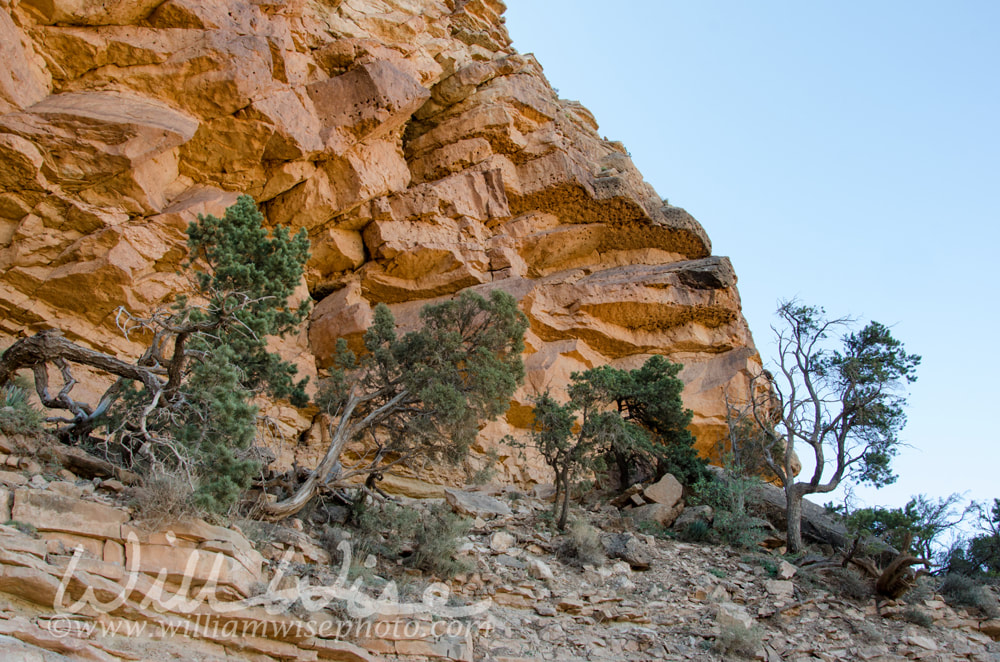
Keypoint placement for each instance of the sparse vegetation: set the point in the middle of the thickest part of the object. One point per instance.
(17, 414)
(847, 583)
(696, 531)
(581, 545)
(392, 532)
(23, 527)
(918, 525)
(162, 498)
(657, 530)
(979, 555)
(437, 541)
(733, 497)
(959, 590)
(918, 616)
(739, 641)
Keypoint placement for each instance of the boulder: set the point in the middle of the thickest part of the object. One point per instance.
(667, 491)
(540, 570)
(733, 615)
(628, 548)
(693, 514)
(656, 513)
(780, 588)
(474, 504)
(501, 541)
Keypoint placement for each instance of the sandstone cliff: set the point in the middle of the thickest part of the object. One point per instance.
(422, 153)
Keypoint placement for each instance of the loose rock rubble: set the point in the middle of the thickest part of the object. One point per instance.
(651, 599)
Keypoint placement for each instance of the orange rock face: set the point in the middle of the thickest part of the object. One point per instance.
(421, 152)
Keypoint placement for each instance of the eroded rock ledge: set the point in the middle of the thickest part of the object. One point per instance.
(422, 153)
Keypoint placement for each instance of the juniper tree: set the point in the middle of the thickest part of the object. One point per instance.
(418, 398)
(186, 403)
(635, 417)
(845, 404)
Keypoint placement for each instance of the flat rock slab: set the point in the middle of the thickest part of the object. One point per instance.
(475, 505)
(47, 511)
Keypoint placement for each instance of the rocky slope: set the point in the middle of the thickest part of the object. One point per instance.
(422, 153)
(277, 594)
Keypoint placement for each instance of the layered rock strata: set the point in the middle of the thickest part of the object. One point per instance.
(421, 152)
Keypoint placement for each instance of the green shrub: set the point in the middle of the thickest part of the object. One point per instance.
(162, 498)
(768, 563)
(847, 583)
(393, 532)
(961, 591)
(696, 531)
(657, 530)
(738, 640)
(918, 617)
(17, 414)
(581, 545)
(437, 541)
(734, 499)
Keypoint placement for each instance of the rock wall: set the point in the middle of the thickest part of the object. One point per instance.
(80, 579)
(422, 153)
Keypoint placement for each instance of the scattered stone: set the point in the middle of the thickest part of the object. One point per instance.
(540, 570)
(38, 482)
(112, 485)
(544, 492)
(501, 541)
(786, 570)
(780, 588)
(510, 562)
(990, 628)
(543, 609)
(626, 497)
(627, 547)
(66, 489)
(920, 641)
(30, 466)
(734, 615)
(12, 478)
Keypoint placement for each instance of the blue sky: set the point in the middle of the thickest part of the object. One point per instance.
(845, 153)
